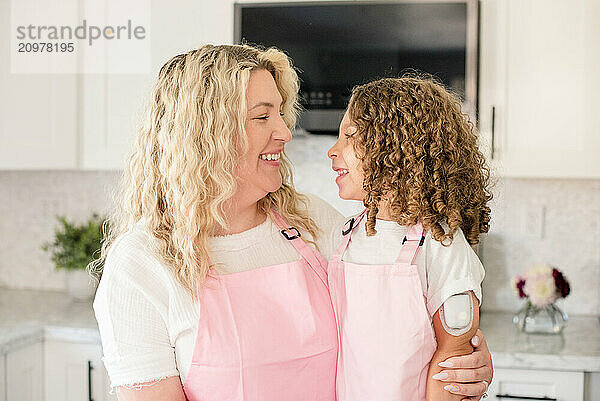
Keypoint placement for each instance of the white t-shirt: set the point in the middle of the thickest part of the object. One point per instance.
(443, 271)
(148, 321)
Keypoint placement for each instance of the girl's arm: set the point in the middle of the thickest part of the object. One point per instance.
(449, 346)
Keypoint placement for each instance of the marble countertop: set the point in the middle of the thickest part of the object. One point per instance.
(577, 348)
(28, 316)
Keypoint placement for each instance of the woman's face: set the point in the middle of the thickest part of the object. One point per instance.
(345, 162)
(258, 170)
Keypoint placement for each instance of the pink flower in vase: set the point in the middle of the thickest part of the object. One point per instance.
(540, 285)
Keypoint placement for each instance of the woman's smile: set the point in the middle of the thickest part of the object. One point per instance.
(270, 159)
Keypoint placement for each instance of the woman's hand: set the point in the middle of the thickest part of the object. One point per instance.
(467, 373)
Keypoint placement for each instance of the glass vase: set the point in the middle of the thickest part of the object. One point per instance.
(547, 319)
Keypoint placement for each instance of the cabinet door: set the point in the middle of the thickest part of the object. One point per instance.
(592, 386)
(113, 103)
(492, 76)
(2, 378)
(538, 63)
(516, 384)
(24, 376)
(38, 113)
(74, 372)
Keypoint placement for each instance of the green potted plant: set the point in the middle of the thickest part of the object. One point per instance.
(73, 248)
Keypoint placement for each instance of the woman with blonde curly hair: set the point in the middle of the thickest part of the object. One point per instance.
(214, 286)
(406, 288)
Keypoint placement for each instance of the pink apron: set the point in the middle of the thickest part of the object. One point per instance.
(386, 336)
(266, 334)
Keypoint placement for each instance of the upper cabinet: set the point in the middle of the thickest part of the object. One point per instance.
(539, 108)
(87, 121)
(112, 104)
(38, 113)
(539, 113)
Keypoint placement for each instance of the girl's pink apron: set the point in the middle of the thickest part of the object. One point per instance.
(386, 336)
(266, 334)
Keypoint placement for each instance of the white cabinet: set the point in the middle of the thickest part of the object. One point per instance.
(112, 103)
(74, 372)
(2, 378)
(38, 117)
(87, 121)
(538, 105)
(38, 113)
(55, 371)
(24, 375)
(592, 386)
(511, 384)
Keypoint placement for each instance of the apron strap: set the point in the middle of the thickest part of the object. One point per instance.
(212, 273)
(293, 236)
(347, 231)
(411, 244)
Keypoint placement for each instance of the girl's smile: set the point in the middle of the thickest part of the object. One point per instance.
(341, 174)
(346, 163)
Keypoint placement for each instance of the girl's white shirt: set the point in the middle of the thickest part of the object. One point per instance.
(443, 271)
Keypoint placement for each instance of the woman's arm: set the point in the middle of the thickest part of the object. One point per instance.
(466, 369)
(168, 389)
(132, 290)
(449, 346)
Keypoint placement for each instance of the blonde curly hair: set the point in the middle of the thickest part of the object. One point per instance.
(420, 157)
(181, 169)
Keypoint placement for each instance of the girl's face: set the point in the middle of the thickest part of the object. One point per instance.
(258, 170)
(345, 162)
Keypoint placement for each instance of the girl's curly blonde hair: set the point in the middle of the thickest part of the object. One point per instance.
(420, 157)
(181, 170)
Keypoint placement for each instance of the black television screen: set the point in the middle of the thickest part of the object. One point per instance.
(336, 46)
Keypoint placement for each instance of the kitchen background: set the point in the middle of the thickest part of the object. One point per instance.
(63, 142)
(569, 238)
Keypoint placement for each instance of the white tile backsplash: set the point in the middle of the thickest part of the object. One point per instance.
(570, 240)
(29, 200)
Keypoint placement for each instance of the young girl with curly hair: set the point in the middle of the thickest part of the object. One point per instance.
(408, 152)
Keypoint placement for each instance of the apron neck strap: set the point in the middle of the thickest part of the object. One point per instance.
(411, 244)
(293, 236)
(347, 231)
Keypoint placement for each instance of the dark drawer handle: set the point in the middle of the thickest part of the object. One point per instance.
(520, 397)
(90, 367)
